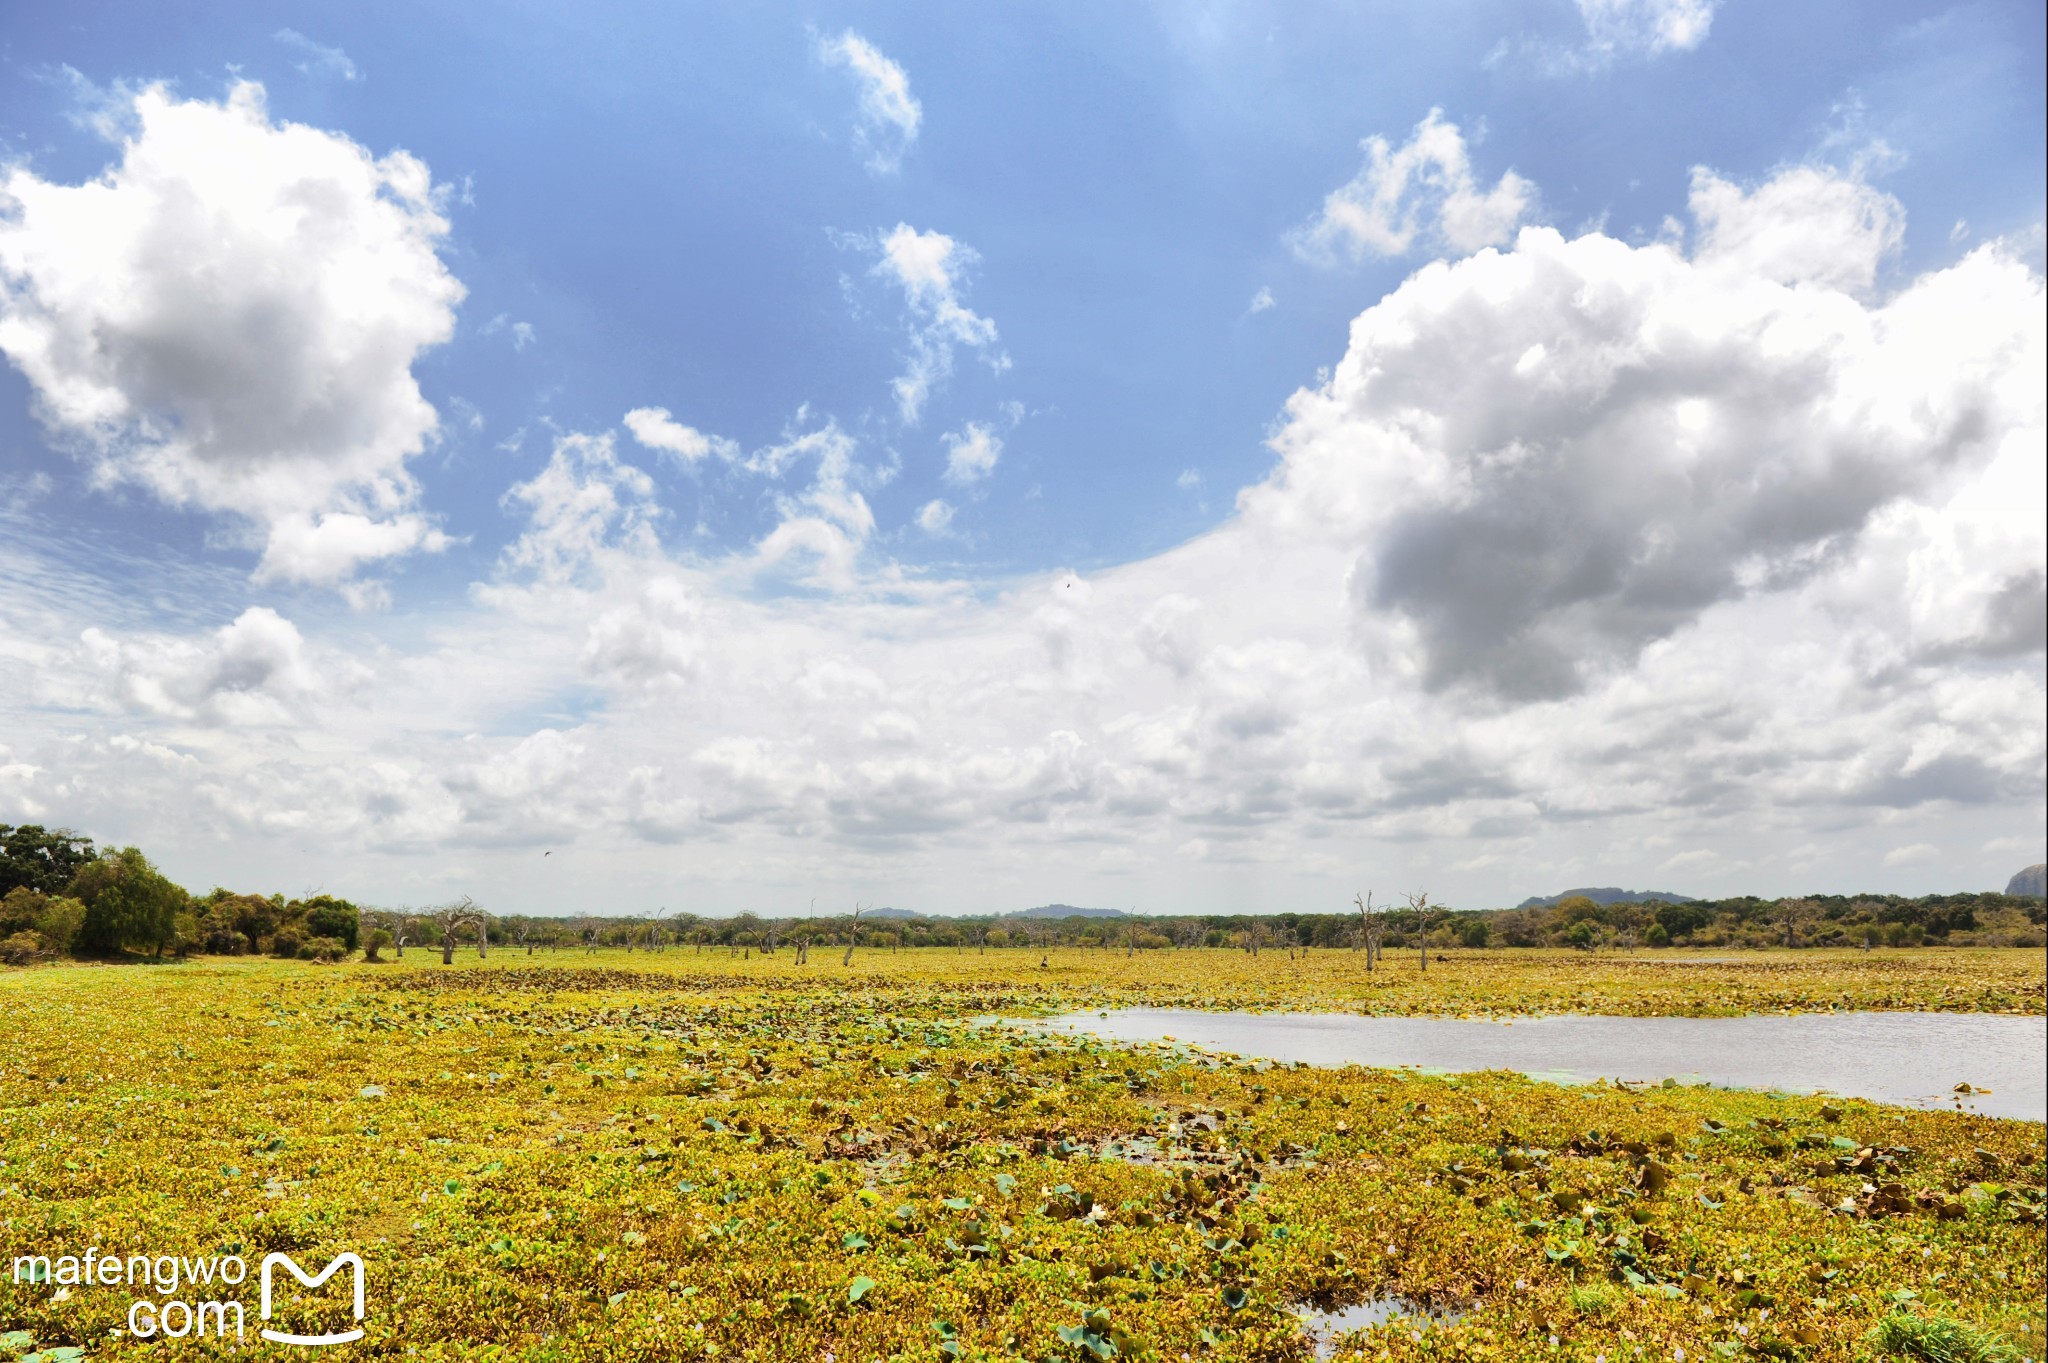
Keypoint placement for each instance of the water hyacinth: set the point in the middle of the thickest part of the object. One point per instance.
(698, 1158)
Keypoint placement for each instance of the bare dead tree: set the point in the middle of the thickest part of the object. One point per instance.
(391, 921)
(853, 937)
(1371, 927)
(451, 918)
(522, 935)
(1424, 913)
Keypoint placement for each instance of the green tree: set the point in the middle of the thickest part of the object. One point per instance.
(39, 858)
(327, 916)
(128, 903)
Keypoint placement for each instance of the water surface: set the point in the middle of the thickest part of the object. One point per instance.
(1911, 1059)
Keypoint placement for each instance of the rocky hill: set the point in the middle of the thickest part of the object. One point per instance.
(1066, 911)
(1607, 894)
(2032, 881)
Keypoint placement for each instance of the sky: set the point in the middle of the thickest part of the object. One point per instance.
(1184, 457)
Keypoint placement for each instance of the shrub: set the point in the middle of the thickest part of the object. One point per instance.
(1656, 936)
(1475, 933)
(20, 948)
(378, 939)
(323, 949)
(286, 943)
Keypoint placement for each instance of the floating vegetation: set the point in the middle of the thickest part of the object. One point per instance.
(701, 1158)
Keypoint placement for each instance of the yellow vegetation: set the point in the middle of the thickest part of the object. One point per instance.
(678, 1156)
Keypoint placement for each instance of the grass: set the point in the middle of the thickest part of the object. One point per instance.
(1939, 1340)
(697, 1156)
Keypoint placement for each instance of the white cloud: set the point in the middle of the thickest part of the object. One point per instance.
(252, 672)
(1422, 191)
(1261, 301)
(1587, 558)
(934, 517)
(971, 453)
(930, 269)
(1190, 480)
(1647, 27)
(1807, 224)
(657, 430)
(823, 529)
(317, 59)
(584, 503)
(1906, 856)
(888, 115)
(651, 640)
(1553, 457)
(267, 372)
(523, 334)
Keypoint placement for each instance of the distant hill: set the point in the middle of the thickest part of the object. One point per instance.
(1066, 911)
(891, 913)
(1608, 894)
(2032, 881)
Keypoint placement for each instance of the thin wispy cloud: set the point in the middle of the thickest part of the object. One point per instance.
(886, 115)
(930, 270)
(317, 59)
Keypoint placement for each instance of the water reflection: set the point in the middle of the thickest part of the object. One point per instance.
(1325, 1329)
(1912, 1059)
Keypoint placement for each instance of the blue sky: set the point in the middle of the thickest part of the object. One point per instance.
(948, 312)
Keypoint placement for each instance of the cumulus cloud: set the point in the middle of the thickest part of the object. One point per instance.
(971, 453)
(930, 268)
(228, 317)
(1422, 192)
(583, 503)
(935, 517)
(1808, 224)
(252, 672)
(824, 528)
(657, 430)
(888, 116)
(1556, 456)
(1587, 556)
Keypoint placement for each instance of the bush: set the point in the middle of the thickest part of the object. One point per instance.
(20, 948)
(1475, 933)
(1656, 936)
(286, 943)
(378, 939)
(322, 949)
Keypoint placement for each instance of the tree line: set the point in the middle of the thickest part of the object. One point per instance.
(62, 896)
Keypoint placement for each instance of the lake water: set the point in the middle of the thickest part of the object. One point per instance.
(1910, 1059)
(1326, 1328)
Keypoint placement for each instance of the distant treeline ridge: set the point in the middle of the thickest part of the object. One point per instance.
(61, 896)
